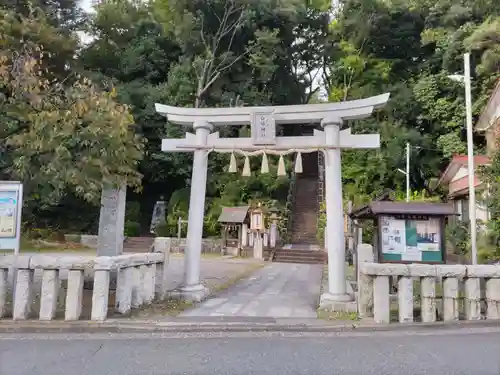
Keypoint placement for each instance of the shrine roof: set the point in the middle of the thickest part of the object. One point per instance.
(374, 209)
(233, 214)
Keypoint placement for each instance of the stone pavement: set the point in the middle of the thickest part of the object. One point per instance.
(278, 290)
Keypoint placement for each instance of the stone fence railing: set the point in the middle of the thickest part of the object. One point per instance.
(140, 278)
(456, 289)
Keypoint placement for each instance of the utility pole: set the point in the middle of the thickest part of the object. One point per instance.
(407, 171)
(470, 158)
(466, 79)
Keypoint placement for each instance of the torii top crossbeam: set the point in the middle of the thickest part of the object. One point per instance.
(285, 114)
(263, 121)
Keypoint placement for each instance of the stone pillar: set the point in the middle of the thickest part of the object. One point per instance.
(244, 235)
(337, 290)
(365, 282)
(111, 221)
(273, 234)
(251, 239)
(49, 295)
(265, 239)
(192, 289)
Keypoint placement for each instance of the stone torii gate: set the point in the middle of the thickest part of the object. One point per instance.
(263, 121)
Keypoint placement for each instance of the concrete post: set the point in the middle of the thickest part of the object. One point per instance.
(381, 300)
(4, 287)
(405, 299)
(74, 295)
(49, 294)
(192, 288)
(428, 303)
(337, 290)
(124, 290)
(450, 299)
(100, 295)
(473, 298)
(112, 221)
(493, 298)
(22, 299)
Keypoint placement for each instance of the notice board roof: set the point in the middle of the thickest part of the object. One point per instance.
(233, 214)
(377, 208)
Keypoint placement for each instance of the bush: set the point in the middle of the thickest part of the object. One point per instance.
(132, 229)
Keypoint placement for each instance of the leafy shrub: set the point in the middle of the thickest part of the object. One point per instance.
(132, 229)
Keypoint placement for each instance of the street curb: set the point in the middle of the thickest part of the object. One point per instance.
(204, 327)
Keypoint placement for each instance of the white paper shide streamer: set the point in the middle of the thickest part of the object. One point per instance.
(233, 168)
(265, 164)
(246, 168)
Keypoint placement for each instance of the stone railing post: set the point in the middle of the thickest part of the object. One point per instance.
(74, 294)
(124, 286)
(493, 298)
(472, 302)
(427, 274)
(23, 289)
(381, 300)
(365, 282)
(405, 297)
(149, 283)
(50, 294)
(4, 287)
(100, 294)
(137, 293)
(451, 276)
(6, 263)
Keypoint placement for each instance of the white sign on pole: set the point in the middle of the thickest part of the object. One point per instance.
(11, 203)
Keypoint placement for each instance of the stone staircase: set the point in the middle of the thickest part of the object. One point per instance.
(306, 209)
(138, 244)
(303, 256)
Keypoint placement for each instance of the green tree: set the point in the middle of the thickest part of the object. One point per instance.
(58, 136)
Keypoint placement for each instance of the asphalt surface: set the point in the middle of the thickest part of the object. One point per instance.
(465, 351)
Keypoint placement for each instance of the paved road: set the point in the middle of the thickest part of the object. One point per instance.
(279, 290)
(461, 352)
